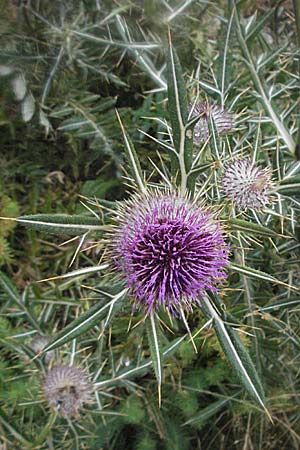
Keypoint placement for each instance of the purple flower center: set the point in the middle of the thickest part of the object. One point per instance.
(170, 251)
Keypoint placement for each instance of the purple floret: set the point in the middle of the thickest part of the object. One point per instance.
(169, 250)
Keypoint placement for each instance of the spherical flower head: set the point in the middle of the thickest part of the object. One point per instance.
(247, 184)
(169, 250)
(66, 389)
(223, 120)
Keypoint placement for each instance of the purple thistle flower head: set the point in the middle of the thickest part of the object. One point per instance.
(66, 389)
(223, 120)
(246, 184)
(169, 250)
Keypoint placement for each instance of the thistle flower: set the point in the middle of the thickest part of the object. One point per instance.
(66, 389)
(38, 343)
(246, 184)
(223, 120)
(169, 250)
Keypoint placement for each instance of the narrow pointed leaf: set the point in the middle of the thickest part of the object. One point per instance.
(236, 354)
(251, 227)
(9, 288)
(214, 140)
(63, 224)
(258, 24)
(12, 429)
(133, 160)
(14, 295)
(225, 59)
(254, 273)
(178, 110)
(86, 271)
(143, 368)
(101, 310)
(208, 412)
(288, 303)
(260, 86)
(155, 351)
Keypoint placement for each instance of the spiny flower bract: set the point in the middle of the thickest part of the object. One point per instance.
(169, 250)
(247, 184)
(66, 389)
(223, 120)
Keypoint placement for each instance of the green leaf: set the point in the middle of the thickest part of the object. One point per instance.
(151, 324)
(236, 354)
(142, 59)
(290, 186)
(14, 295)
(254, 273)
(257, 25)
(140, 370)
(208, 412)
(260, 86)
(214, 140)
(133, 161)
(9, 288)
(178, 110)
(250, 227)
(289, 303)
(101, 310)
(85, 271)
(12, 429)
(61, 224)
(225, 59)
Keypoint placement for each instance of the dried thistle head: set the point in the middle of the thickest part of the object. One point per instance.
(38, 343)
(246, 184)
(169, 250)
(223, 120)
(67, 388)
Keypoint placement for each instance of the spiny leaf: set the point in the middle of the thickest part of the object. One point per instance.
(178, 110)
(61, 224)
(251, 227)
(13, 293)
(236, 354)
(254, 273)
(143, 368)
(260, 87)
(208, 412)
(284, 303)
(155, 351)
(133, 160)
(101, 310)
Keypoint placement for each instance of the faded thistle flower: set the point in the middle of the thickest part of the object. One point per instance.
(169, 250)
(223, 120)
(38, 343)
(66, 389)
(247, 184)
